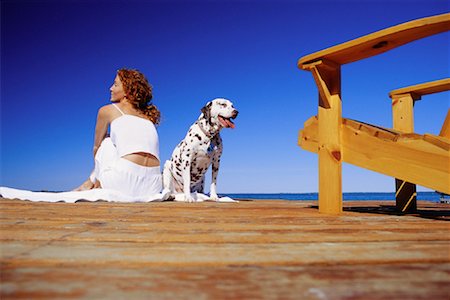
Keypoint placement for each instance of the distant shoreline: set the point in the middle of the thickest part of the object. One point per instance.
(421, 196)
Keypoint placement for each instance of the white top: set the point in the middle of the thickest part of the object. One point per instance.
(132, 134)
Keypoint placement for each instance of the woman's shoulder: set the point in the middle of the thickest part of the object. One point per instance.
(107, 109)
(108, 112)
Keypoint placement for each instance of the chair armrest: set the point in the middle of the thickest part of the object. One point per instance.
(423, 89)
(380, 41)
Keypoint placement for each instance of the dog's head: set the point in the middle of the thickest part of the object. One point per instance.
(220, 112)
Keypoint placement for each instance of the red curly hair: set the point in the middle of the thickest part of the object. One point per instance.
(139, 93)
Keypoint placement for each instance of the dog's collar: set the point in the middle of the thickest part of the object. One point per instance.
(208, 134)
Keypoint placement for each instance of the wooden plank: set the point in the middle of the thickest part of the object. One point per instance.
(375, 131)
(218, 254)
(330, 153)
(445, 131)
(423, 88)
(403, 121)
(405, 196)
(439, 141)
(380, 41)
(307, 137)
(406, 281)
(246, 250)
(403, 113)
(324, 93)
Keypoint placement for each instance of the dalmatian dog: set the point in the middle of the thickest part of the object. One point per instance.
(185, 171)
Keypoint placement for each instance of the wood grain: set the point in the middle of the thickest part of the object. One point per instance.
(246, 250)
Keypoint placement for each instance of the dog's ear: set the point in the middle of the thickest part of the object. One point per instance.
(206, 110)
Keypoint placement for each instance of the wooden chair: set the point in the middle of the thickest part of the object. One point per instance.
(406, 156)
(403, 101)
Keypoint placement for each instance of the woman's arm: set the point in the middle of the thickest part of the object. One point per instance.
(101, 127)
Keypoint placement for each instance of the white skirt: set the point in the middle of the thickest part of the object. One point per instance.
(122, 175)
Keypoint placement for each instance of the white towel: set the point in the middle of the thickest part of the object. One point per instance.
(96, 194)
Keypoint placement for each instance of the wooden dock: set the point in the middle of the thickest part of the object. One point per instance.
(248, 250)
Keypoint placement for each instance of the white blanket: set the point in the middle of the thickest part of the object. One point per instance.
(94, 195)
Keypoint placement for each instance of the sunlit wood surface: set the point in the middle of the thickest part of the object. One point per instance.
(247, 250)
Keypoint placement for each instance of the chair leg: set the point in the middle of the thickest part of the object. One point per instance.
(405, 196)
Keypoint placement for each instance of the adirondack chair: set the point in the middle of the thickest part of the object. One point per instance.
(406, 156)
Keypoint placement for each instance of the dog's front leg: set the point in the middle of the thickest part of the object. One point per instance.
(167, 177)
(215, 171)
(186, 174)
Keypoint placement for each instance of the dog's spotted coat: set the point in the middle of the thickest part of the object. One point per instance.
(202, 146)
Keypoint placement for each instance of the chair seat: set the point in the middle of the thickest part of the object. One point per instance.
(422, 159)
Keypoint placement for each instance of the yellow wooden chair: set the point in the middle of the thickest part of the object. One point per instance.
(397, 152)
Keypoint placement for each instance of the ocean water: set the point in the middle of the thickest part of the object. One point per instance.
(425, 196)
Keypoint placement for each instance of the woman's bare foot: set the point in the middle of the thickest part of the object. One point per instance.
(97, 185)
(87, 185)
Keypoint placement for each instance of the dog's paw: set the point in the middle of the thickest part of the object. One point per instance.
(189, 199)
(181, 197)
(213, 197)
(165, 195)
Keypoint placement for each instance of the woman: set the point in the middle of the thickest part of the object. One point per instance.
(128, 160)
(127, 166)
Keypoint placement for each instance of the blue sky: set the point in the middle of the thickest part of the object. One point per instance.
(59, 58)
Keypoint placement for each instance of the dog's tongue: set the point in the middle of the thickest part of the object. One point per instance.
(229, 123)
(226, 122)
